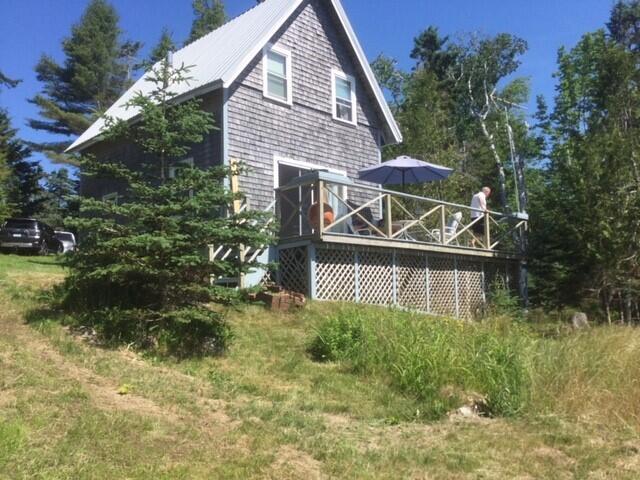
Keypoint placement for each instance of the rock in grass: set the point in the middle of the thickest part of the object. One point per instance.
(579, 320)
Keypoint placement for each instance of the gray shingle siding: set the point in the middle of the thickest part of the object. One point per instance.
(205, 154)
(306, 131)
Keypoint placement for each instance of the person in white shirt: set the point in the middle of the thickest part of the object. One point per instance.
(479, 205)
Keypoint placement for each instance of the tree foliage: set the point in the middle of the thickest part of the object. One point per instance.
(96, 70)
(20, 177)
(60, 198)
(209, 15)
(141, 274)
(456, 108)
(161, 50)
(588, 223)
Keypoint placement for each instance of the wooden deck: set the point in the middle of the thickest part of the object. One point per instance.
(420, 260)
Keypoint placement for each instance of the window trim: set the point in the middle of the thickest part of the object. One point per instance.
(110, 197)
(171, 173)
(336, 73)
(265, 74)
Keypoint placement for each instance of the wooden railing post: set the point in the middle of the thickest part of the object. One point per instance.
(320, 201)
(388, 223)
(487, 231)
(443, 223)
(237, 208)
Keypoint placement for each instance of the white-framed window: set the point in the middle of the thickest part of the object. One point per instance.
(179, 165)
(276, 68)
(343, 97)
(110, 197)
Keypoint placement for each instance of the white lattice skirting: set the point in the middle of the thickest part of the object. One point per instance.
(451, 285)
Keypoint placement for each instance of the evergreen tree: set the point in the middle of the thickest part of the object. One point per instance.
(160, 51)
(141, 275)
(5, 172)
(586, 238)
(439, 108)
(7, 82)
(209, 15)
(5, 175)
(23, 191)
(95, 72)
(60, 198)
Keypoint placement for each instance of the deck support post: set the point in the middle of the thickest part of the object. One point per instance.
(394, 277)
(456, 285)
(427, 280)
(311, 269)
(484, 285)
(356, 259)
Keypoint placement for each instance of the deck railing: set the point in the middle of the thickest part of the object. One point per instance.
(355, 210)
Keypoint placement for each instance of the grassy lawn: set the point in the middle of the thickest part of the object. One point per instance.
(72, 410)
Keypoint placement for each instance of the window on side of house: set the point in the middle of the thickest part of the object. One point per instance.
(110, 197)
(179, 165)
(276, 65)
(344, 97)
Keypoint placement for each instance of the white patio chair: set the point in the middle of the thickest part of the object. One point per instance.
(450, 229)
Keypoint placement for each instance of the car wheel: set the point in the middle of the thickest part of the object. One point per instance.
(60, 249)
(44, 249)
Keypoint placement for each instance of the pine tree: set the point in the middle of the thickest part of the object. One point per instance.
(141, 275)
(23, 191)
(7, 82)
(209, 15)
(162, 48)
(5, 172)
(5, 175)
(588, 223)
(96, 70)
(59, 198)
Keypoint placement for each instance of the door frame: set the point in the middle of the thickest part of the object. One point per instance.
(280, 159)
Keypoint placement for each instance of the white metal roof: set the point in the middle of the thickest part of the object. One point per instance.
(219, 57)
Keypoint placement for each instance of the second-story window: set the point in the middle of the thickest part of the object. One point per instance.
(277, 74)
(344, 97)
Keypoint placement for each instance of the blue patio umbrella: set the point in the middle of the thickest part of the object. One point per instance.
(403, 170)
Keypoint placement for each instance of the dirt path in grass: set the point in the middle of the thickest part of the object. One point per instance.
(106, 393)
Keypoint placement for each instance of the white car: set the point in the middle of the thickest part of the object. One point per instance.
(68, 241)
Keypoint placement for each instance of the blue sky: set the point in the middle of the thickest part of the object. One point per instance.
(32, 27)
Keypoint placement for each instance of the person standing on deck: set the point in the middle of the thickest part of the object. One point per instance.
(479, 206)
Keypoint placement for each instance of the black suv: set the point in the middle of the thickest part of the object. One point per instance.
(26, 234)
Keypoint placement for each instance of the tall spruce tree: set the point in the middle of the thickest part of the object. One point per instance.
(7, 82)
(162, 48)
(141, 275)
(23, 193)
(209, 15)
(5, 172)
(60, 197)
(95, 72)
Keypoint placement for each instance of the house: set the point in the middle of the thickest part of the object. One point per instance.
(293, 94)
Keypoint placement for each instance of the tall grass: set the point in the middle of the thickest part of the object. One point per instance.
(505, 363)
(593, 373)
(440, 362)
